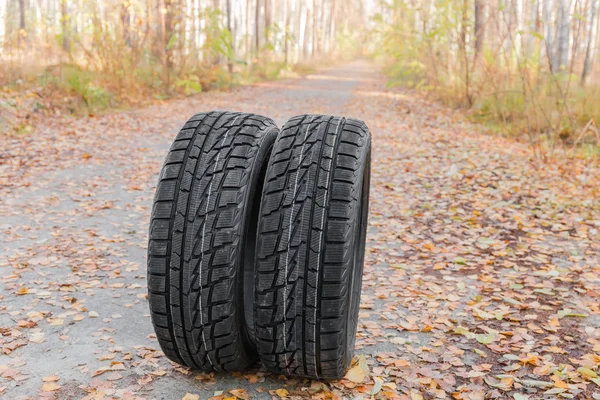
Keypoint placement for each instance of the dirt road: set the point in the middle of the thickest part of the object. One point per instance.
(482, 274)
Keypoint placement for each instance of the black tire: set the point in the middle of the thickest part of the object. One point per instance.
(205, 212)
(311, 246)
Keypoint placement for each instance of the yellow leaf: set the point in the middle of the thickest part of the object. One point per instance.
(51, 378)
(189, 396)
(587, 372)
(415, 395)
(100, 371)
(560, 383)
(282, 393)
(355, 374)
(50, 387)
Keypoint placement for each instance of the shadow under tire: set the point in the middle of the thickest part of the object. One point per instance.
(204, 214)
(311, 246)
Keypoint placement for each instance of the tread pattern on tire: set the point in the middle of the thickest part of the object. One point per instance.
(305, 246)
(196, 239)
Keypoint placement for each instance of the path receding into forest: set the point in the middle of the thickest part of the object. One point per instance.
(482, 274)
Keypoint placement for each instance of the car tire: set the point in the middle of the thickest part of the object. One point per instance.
(204, 216)
(311, 246)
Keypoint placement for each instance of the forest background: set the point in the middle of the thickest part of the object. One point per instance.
(525, 68)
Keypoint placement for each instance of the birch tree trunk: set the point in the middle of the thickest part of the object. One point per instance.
(508, 20)
(331, 25)
(299, 31)
(257, 27)
(562, 40)
(549, 34)
(533, 27)
(286, 38)
(518, 37)
(592, 26)
(335, 10)
(306, 40)
(228, 9)
(267, 30)
(249, 40)
(314, 29)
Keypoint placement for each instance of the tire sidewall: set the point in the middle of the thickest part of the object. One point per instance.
(358, 243)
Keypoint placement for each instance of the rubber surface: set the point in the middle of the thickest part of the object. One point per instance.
(310, 247)
(204, 214)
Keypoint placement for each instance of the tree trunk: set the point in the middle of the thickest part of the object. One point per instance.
(592, 25)
(22, 15)
(319, 26)
(125, 16)
(229, 61)
(66, 45)
(479, 28)
(155, 24)
(518, 37)
(306, 39)
(508, 20)
(21, 34)
(533, 27)
(299, 36)
(257, 26)
(332, 24)
(267, 21)
(549, 34)
(313, 46)
(286, 47)
(169, 19)
(463, 49)
(563, 35)
(249, 41)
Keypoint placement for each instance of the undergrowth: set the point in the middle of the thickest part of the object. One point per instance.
(552, 112)
(69, 89)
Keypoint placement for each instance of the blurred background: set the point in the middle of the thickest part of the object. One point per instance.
(526, 68)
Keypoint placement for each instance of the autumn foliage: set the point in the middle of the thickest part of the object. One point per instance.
(524, 68)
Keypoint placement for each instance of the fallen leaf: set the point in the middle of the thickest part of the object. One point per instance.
(355, 374)
(50, 387)
(240, 393)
